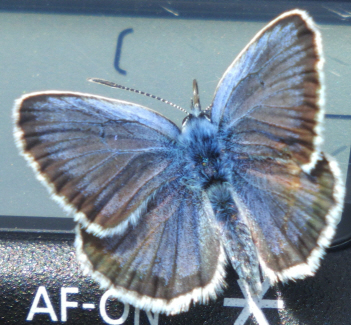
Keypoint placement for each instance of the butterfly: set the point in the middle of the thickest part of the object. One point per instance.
(161, 211)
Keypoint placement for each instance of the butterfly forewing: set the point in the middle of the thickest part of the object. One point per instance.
(268, 103)
(101, 158)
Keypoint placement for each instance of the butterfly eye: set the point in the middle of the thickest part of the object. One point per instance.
(205, 115)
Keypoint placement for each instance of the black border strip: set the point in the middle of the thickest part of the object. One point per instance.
(36, 224)
(262, 10)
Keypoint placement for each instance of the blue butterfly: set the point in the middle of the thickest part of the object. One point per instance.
(161, 211)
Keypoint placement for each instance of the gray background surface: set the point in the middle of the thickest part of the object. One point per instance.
(41, 51)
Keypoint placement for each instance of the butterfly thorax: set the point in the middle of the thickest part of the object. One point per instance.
(202, 152)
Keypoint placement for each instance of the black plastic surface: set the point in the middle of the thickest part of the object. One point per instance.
(30, 260)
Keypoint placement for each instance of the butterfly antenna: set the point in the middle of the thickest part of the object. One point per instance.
(113, 85)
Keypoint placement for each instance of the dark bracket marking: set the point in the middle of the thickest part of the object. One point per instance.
(119, 49)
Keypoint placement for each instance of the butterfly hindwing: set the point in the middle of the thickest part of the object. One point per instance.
(100, 157)
(291, 214)
(171, 257)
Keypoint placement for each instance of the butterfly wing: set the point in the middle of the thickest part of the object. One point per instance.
(268, 107)
(99, 157)
(270, 100)
(167, 260)
(291, 214)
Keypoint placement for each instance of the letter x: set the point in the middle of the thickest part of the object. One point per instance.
(261, 303)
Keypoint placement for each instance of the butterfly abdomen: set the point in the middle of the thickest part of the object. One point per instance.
(235, 235)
